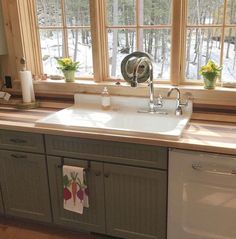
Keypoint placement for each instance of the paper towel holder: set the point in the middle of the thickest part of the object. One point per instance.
(27, 105)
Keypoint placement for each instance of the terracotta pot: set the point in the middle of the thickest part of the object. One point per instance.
(69, 76)
(209, 84)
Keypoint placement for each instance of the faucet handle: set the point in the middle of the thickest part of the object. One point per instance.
(183, 102)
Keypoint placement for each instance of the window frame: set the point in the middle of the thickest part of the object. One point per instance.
(22, 41)
(99, 28)
(185, 26)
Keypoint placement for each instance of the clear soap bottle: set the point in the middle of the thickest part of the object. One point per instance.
(105, 99)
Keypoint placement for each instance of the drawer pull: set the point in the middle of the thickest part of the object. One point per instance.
(18, 156)
(200, 168)
(18, 141)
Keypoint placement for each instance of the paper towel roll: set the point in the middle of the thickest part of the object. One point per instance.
(27, 86)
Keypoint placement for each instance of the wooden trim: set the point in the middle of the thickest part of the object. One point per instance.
(223, 37)
(13, 37)
(140, 27)
(97, 31)
(176, 43)
(8, 62)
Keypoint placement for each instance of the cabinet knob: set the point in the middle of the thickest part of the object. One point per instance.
(106, 175)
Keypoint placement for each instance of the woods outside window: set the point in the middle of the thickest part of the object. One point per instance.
(210, 34)
(180, 35)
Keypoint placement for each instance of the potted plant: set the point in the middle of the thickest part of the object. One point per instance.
(210, 72)
(68, 67)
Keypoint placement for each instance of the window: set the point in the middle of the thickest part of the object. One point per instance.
(64, 31)
(210, 34)
(180, 35)
(143, 25)
(130, 25)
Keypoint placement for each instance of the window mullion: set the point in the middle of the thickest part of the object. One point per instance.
(98, 31)
(223, 36)
(177, 33)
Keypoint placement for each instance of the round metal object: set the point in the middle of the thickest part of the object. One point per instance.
(127, 67)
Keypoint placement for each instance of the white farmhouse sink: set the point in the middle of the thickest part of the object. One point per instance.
(123, 117)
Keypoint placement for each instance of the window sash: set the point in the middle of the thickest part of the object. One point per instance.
(99, 37)
(186, 25)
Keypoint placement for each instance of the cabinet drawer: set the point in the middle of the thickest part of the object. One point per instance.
(21, 141)
(107, 151)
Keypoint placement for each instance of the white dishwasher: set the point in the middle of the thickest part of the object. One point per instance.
(201, 196)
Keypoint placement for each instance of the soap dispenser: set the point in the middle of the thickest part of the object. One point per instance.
(105, 99)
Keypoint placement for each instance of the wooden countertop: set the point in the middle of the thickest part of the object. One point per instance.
(199, 135)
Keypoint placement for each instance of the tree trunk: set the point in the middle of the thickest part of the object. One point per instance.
(188, 51)
(141, 13)
(163, 54)
(115, 38)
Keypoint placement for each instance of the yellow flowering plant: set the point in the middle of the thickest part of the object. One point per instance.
(67, 64)
(211, 70)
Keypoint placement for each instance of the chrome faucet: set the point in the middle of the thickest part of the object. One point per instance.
(179, 104)
(134, 81)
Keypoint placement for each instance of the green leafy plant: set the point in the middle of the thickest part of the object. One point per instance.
(211, 70)
(67, 64)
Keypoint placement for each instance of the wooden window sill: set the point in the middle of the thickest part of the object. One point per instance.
(59, 88)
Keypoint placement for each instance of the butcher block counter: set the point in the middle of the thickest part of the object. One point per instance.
(216, 137)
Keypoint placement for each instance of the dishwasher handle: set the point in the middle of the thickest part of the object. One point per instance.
(207, 169)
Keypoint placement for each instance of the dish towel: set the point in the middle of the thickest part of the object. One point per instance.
(75, 190)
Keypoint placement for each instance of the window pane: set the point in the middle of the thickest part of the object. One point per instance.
(231, 12)
(157, 43)
(49, 12)
(120, 44)
(229, 66)
(77, 12)
(155, 12)
(121, 12)
(205, 11)
(80, 49)
(51, 48)
(202, 45)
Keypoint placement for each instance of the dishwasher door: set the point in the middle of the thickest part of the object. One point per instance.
(201, 196)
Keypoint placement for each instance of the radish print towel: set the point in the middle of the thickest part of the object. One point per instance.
(75, 189)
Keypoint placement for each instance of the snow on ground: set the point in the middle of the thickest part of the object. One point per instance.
(52, 47)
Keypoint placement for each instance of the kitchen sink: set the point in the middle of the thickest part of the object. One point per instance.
(125, 117)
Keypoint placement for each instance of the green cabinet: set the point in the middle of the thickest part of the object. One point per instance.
(93, 218)
(135, 202)
(24, 182)
(125, 201)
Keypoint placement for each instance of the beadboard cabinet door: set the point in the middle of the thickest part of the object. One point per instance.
(93, 218)
(24, 184)
(135, 202)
